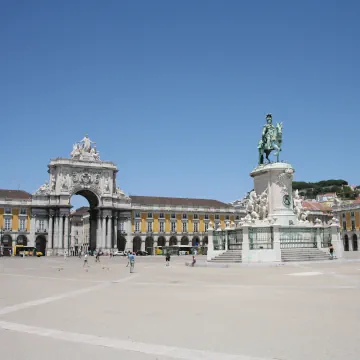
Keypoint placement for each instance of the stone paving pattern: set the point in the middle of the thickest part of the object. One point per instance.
(51, 307)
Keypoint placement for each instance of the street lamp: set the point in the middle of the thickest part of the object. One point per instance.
(1, 244)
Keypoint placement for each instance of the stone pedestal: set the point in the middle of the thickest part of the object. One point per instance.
(276, 179)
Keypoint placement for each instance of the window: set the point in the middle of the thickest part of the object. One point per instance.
(41, 224)
(173, 216)
(8, 223)
(206, 217)
(227, 217)
(206, 227)
(137, 215)
(137, 226)
(22, 211)
(161, 216)
(352, 225)
(237, 217)
(161, 224)
(184, 227)
(173, 226)
(343, 215)
(344, 225)
(196, 216)
(150, 215)
(122, 226)
(8, 211)
(22, 224)
(352, 213)
(217, 217)
(196, 227)
(149, 226)
(184, 216)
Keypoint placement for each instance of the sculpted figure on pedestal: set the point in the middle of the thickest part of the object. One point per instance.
(83, 150)
(43, 189)
(271, 139)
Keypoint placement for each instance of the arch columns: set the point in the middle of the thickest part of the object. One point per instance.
(108, 235)
(50, 233)
(115, 218)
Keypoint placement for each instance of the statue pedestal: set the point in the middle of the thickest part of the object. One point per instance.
(276, 178)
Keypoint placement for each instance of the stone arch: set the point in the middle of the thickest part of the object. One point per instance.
(91, 195)
(161, 241)
(137, 243)
(355, 242)
(173, 241)
(149, 245)
(184, 240)
(205, 241)
(346, 243)
(21, 240)
(40, 244)
(121, 242)
(195, 241)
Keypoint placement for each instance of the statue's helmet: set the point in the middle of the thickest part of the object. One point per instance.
(268, 117)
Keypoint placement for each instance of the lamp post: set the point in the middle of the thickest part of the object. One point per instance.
(1, 244)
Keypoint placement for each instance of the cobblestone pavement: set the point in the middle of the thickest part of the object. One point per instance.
(51, 307)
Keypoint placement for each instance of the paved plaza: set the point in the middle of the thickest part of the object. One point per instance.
(52, 308)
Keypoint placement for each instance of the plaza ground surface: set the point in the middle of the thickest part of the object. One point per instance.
(52, 308)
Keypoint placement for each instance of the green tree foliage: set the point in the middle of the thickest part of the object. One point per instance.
(311, 189)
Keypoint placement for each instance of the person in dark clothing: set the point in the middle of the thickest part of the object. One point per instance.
(167, 259)
(331, 249)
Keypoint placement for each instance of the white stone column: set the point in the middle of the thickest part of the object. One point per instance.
(210, 252)
(108, 235)
(277, 247)
(98, 231)
(32, 230)
(336, 241)
(56, 234)
(245, 254)
(142, 248)
(103, 233)
(61, 233)
(50, 233)
(66, 233)
(115, 231)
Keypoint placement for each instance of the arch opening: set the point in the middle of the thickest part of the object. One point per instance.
(355, 242)
(346, 243)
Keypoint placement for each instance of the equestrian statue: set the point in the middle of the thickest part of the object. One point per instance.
(271, 140)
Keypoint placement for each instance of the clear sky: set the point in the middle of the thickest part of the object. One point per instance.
(176, 92)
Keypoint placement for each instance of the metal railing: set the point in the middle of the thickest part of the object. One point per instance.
(261, 238)
(235, 239)
(219, 238)
(297, 238)
(325, 234)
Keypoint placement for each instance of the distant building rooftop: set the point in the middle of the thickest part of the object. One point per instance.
(14, 194)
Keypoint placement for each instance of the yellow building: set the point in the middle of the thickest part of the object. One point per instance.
(15, 206)
(349, 217)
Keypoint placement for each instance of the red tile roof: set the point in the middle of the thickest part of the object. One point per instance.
(316, 206)
(15, 194)
(171, 201)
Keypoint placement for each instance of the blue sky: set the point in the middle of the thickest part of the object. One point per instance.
(175, 92)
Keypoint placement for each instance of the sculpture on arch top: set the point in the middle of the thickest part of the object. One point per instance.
(84, 151)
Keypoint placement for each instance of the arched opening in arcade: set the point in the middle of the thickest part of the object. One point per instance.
(195, 241)
(346, 243)
(161, 241)
(205, 241)
(121, 242)
(184, 240)
(84, 220)
(149, 245)
(40, 244)
(137, 243)
(355, 242)
(6, 245)
(173, 241)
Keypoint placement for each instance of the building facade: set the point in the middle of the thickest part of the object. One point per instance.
(349, 217)
(15, 210)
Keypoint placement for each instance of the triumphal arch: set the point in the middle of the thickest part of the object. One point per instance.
(84, 173)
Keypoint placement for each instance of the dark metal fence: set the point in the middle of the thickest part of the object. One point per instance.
(297, 238)
(235, 239)
(261, 238)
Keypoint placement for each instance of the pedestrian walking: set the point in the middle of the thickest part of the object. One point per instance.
(65, 255)
(97, 257)
(85, 260)
(331, 249)
(167, 259)
(128, 257)
(80, 254)
(132, 261)
(194, 261)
